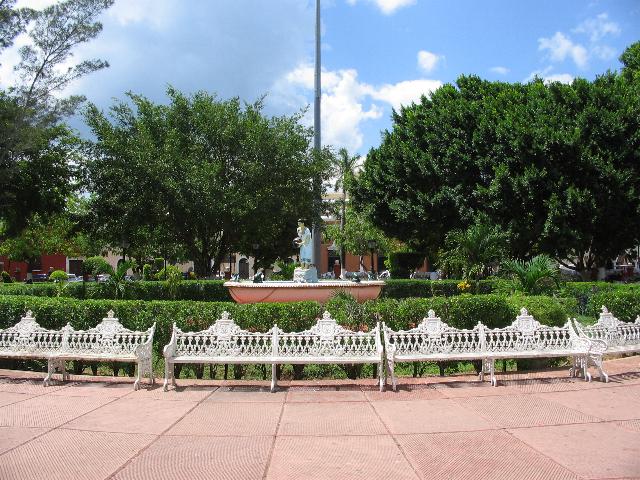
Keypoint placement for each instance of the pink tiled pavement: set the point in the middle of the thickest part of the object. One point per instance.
(592, 450)
(492, 454)
(605, 403)
(423, 416)
(345, 457)
(205, 458)
(524, 411)
(11, 437)
(536, 425)
(48, 410)
(133, 415)
(68, 454)
(340, 418)
(230, 419)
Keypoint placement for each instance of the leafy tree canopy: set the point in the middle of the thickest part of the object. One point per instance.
(555, 166)
(208, 175)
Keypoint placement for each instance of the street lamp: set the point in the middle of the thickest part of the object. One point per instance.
(124, 244)
(372, 244)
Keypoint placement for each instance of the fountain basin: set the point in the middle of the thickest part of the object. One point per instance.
(282, 292)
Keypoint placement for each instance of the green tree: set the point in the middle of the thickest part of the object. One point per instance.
(37, 151)
(356, 233)
(555, 166)
(343, 167)
(214, 175)
(472, 253)
(536, 276)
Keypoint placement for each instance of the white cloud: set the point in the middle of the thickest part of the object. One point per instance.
(427, 61)
(559, 77)
(346, 102)
(388, 6)
(499, 70)
(405, 93)
(598, 27)
(560, 47)
(549, 77)
(157, 14)
(604, 52)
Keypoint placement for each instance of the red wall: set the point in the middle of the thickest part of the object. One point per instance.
(57, 261)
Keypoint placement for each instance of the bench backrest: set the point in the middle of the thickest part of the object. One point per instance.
(328, 339)
(433, 336)
(527, 334)
(222, 339)
(29, 337)
(613, 331)
(108, 337)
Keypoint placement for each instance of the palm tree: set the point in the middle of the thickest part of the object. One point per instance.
(343, 166)
(532, 276)
(472, 252)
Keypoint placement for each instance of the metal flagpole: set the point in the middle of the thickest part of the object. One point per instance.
(315, 254)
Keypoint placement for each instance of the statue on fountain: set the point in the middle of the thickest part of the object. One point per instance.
(307, 273)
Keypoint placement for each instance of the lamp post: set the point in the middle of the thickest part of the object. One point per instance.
(315, 228)
(372, 244)
(124, 244)
(256, 248)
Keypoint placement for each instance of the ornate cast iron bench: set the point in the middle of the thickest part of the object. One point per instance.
(223, 342)
(28, 340)
(433, 340)
(527, 338)
(621, 337)
(226, 343)
(108, 341)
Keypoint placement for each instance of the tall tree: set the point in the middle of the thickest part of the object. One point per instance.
(37, 151)
(555, 166)
(343, 168)
(216, 174)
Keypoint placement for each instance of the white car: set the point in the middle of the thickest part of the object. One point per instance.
(72, 277)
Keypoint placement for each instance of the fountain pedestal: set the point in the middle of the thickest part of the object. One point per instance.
(271, 292)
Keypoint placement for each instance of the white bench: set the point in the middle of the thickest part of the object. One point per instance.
(527, 338)
(109, 341)
(621, 337)
(226, 343)
(29, 341)
(433, 340)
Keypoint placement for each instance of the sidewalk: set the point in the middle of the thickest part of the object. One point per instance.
(533, 426)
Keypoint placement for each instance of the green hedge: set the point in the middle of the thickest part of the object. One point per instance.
(204, 290)
(625, 305)
(394, 288)
(463, 311)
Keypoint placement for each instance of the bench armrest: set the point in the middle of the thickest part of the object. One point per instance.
(145, 350)
(169, 350)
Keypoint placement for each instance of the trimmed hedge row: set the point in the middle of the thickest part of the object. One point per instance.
(461, 312)
(214, 290)
(204, 290)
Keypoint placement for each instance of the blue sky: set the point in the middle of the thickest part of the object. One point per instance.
(377, 54)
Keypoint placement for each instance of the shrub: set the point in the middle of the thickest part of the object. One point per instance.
(624, 304)
(60, 280)
(394, 288)
(584, 291)
(6, 278)
(146, 272)
(96, 266)
(536, 276)
(402, 264)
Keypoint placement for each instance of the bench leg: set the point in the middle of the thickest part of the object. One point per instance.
(492, 372)
(168, 374)
(390, 368)
(381, 375)
(136, 384)
(597, 361)
(51, 367)
(274, 377)
(585, 368)
(574, 367)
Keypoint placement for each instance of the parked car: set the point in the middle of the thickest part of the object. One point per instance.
(103, 277)
(39, 277)
(72, 277)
